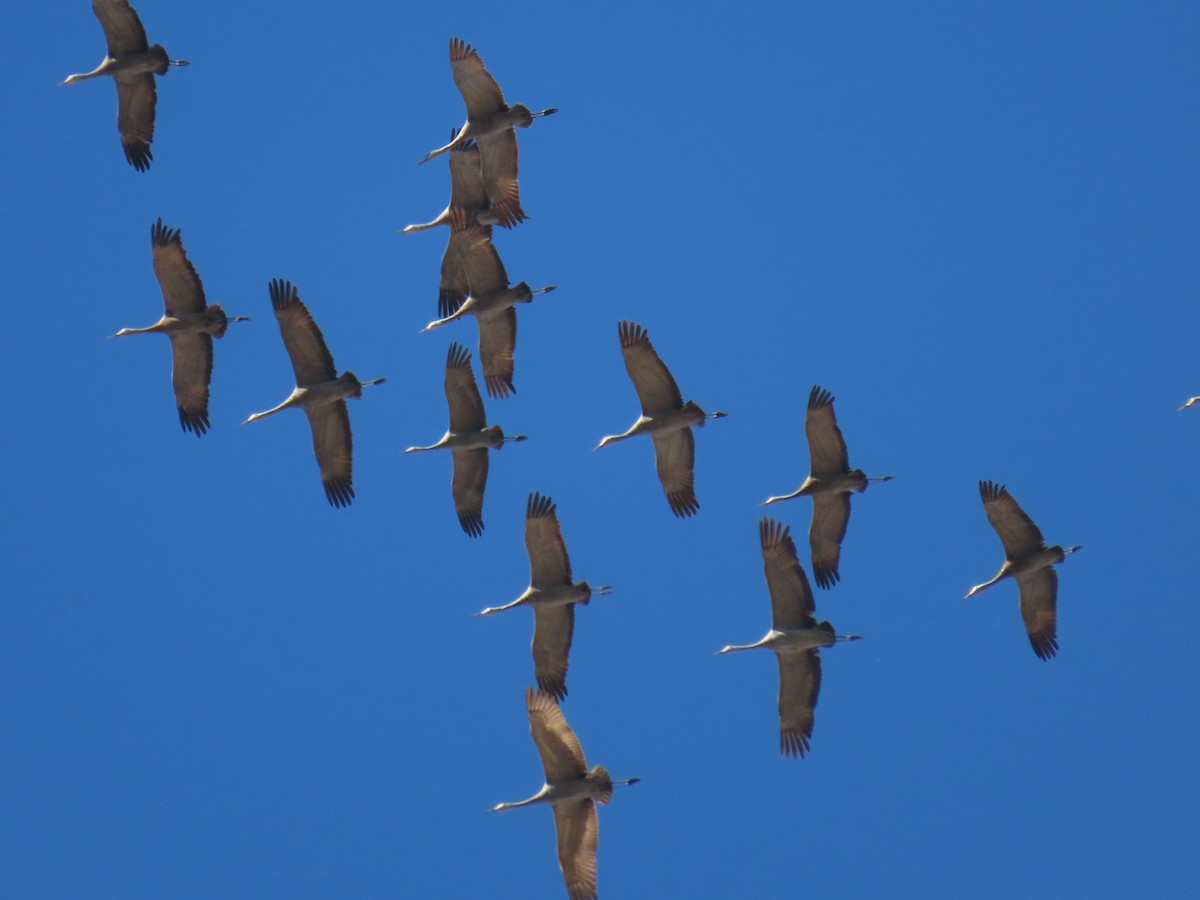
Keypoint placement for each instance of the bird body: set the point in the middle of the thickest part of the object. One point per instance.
(132, 63)
(469, 202)
(665, 417)
(319, 391)
(571, 789)
(1030, 562)
(795, 637)
(189, 322)
(830, 482)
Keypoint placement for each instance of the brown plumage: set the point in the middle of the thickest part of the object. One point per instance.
(190, 324)
(572, 789)
(319, 391)
(665, 417)
(1029, 561)
(829, 482)
(132, 63)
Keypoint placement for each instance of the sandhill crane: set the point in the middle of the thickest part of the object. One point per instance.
(132, 63)
(188, 322)
(665, 417)
(795, 636)
(468, 438)
(1191, 401)
(571, 789)
(468, 197)
(491, 122)
(319, 392)
(1029, 561)
(829, 482)
(491, 301)
(551, 594)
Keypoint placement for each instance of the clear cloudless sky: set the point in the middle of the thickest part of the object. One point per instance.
(975, 223)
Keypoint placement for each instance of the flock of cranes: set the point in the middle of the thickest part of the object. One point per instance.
(484, 192)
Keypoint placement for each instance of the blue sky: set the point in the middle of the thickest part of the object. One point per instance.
(976, 226)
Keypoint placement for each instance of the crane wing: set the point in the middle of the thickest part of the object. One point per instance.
(498, 158)
(497, 342)
(549, 565)
(831, 516)
(182, 290)
(330, 423)
(656, 389)
(454, 287)
(553, 628)
(191, 372)
(479, 90)
(1039, 609)
(311, 359)
(485, 270)
(136, 96)
(123, 30)
(466, 176)
(675, 458)
(826, 446)
(792, 602)
(1018, 534)
(799, 685)
(562, 756)
(467, 486)
(462, 396)
(578, 829)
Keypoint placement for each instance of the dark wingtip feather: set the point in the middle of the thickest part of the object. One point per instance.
(825, 577)
(991, 490)
(339, 493)
(161, 235)
(449, 302)
(283, 293)
(472, 523)
(498, 388)
(139, 156)
(196, 423)
(553, 686)
(819, 397)
(539, 506)
(630, 333)
(1044, 646)
(683, 505)
(793, 743)
(457, 356)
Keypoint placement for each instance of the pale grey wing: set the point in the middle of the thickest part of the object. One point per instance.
(1019, 535)
(553, 629)
(826, 446)
(479, 90)
(466, 177)
(1039, 609)
(831, 517)
(799, 685)
(454, 287)
(467, 485)
(578, 829)
(792, 602)
(191, 372)
(462, 396)
(485, 270)
(656, 389)
(330, 423)
(675, 458)
(497, 343)
(136, 96)
(311, 359)
(498, 157)
(182, 290)
(557, 745)
(123, 30)
(549, 564)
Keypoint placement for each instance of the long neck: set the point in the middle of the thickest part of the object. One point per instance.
(102, 69)
(442, 219)
(731, 648)
(149, 329)
(270, 412)
(539, 797)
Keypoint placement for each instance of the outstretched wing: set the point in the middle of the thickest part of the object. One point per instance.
(578, 829)
(799, 685)
(479, 90)
(675, 459)
(549, 564)
(656, 389)
(497, 343)
(330, 423)
(467, 485)
(831, 516)
(1019, 535)
(553, 629)
(792, 603)
(123, 30)
(311, 359)
(462, 395)
(191, 372)
(498, 157)
(1039, 609)
(182, 291)
(562, 756)
(826, 446)
(136, 97)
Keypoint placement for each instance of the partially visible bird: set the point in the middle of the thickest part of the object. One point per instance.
(490, 121)
(188, 322)
(1191, 401)
(665, 417)
(795, 636)
(469, 438)
(1029, 561)
(551, 594)
(572, 790)
(468, 197)
(830, 482)
(492, 302)
(319, 392)
(132, 63)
